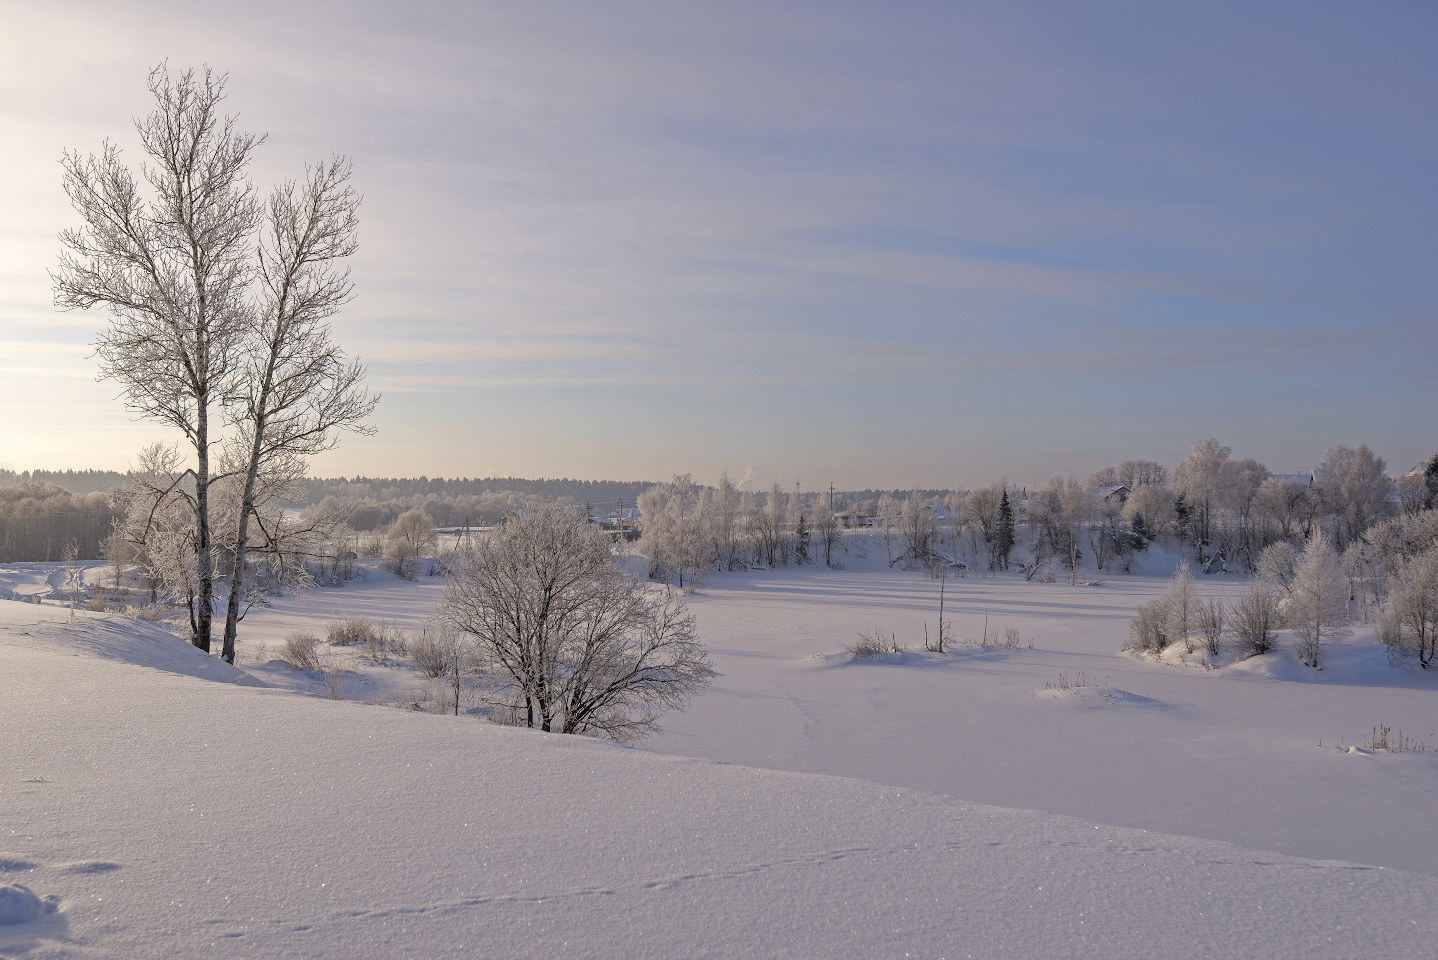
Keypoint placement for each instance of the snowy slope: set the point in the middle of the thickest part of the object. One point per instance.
(174, 817)
(118, 638)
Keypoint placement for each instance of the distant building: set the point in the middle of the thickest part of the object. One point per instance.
(1116, 493)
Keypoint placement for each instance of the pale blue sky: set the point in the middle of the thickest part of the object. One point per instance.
(878, 244)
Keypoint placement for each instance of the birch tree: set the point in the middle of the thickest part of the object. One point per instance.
(1317, 604)
(216, 331)
(169, 256)
(298, 390)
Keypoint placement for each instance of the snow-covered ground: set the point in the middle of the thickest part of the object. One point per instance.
(180, 812)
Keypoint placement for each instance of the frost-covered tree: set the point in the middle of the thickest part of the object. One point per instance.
(726, 525)
(1245, 478)
(1412, 608)
(1170, 617)
(169, 254)
(1132, 474)
(676, 520)
(582, 647)
(1148, 511)
(1278, 564)
(917, 531)
(1353, 488)
(215, 324)
(1202, 479)
(887, 521)
(988, 512)
(768, 529)
(1286, 505)
(1058, 513)
(827, 528)
(408, 539)
(1255, 618)
(297, 389)
(1316, 607)
(1182, 604)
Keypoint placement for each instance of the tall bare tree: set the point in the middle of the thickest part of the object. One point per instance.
(173, 268)
(298, 390)
(214, 327)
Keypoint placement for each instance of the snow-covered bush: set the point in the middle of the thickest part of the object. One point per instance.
(342, 633)
(301, 652)
(1148, 631)
(873, 643)
(1212, 618)
(1255, 617)
(433, 654)
(1171, 617)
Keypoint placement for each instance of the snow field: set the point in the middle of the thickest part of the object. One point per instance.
(174, 817)
(168, 816)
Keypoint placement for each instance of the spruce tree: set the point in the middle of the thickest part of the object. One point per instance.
(1004, 541)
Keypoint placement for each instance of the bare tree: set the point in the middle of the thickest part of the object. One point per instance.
(1255, 617)
(209, 327)
(297, 388)
(173, 271)
(585, 648)
(826, 527)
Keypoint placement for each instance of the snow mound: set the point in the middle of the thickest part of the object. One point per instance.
(18, 904)
(110, 636)
(1091, 696)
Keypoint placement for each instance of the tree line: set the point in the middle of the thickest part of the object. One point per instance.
(1221, 511)
(39, 521)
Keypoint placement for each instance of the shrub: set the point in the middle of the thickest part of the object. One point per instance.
(433, 654)
(873, 643)
(301, 652)
(1255, 617)
(1148, 631)
(1212, 617)
(342, 633)
(333, 684)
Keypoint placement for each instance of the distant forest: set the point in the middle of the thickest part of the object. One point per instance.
(402, 488)
(77, 482)
(80, 482)
(44, 511)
